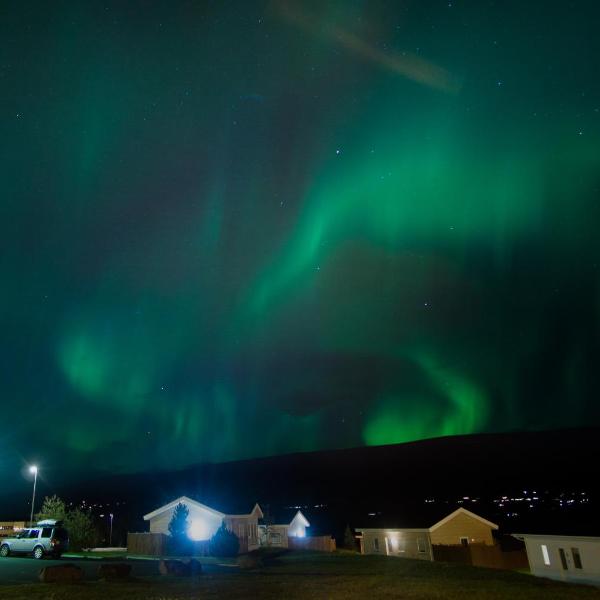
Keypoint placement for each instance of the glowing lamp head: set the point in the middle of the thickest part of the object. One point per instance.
(33, 469)
(198, 531)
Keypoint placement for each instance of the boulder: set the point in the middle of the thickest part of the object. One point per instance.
(180, 568)
(68, 573)
(114, 571)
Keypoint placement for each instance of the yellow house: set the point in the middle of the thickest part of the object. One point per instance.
(461, 527)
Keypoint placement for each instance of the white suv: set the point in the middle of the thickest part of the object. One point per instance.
(48, 537)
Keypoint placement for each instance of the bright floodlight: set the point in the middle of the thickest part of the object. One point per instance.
(198, 531)
(33, 469)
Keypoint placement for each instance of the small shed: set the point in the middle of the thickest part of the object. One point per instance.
(563, 557)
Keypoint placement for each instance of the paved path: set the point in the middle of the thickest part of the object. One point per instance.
(25, 570)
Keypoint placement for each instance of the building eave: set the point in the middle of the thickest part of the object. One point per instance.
(463, 511)
(183, 500)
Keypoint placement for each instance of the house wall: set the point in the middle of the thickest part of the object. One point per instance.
(296, 528)
(462, 525)
(589, 552)
(246, 529)
(397, 542)
(205, 521)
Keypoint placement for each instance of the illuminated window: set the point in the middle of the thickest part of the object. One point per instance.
(545, 554)
(576, 558)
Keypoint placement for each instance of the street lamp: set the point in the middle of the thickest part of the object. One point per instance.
(110, 536)
(33, 469)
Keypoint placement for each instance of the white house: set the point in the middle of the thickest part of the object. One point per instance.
(278, 534)
(563, 557)
(204, 522)
(461, 527)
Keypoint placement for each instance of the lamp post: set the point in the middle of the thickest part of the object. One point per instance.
(110, 536)
(33, 469)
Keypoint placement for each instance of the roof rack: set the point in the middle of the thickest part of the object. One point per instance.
(49, 522)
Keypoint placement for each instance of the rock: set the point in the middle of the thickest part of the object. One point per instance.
(179, 568)
(195, 567)
(114, 571)
(61, 574)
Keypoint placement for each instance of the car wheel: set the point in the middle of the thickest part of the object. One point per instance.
(38, 552)
(4, 550)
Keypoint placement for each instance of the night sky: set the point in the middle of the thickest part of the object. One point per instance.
(239, 229)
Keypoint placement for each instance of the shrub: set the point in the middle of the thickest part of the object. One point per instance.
(224, 542)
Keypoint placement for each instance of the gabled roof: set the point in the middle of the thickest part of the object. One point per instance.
(303, 520)
(554, 537)
(256, 510)
(393, 529)
(419, 520)
(298, 515)
(183, 500)
(463, 511)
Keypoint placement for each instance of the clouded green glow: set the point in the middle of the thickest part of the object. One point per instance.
(241, 229)
(463, 409)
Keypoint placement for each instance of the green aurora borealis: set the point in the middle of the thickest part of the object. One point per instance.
(237, 229)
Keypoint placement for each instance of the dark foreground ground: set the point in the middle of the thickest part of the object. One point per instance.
(311, 575)
(25, 570)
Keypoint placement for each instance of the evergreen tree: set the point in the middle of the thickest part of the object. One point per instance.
(78, 523)
(178, 528)
(80, 527)
(349, 542)
(52, 508)
(224, 542)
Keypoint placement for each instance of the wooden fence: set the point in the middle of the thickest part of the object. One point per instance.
(149, 544)
(159, 544)
(323, 543)
(480, 555)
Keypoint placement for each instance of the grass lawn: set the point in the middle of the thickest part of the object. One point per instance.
(96, 555)
(314, 575)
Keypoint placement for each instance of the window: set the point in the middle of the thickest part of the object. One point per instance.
(376, 544)
(576, 558)
(563, 559)
(33, 533)
(545, 554)
(421, 545)
(464, 541)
